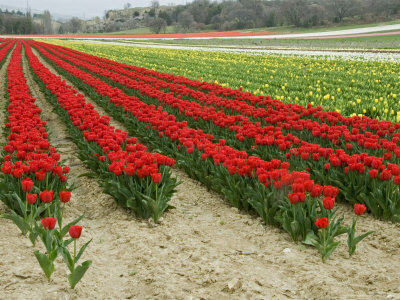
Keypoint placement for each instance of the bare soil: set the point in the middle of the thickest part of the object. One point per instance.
(202, 249)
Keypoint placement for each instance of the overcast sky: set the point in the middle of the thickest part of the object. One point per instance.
(82, 8)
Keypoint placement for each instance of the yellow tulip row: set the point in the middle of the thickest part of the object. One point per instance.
(349, 87)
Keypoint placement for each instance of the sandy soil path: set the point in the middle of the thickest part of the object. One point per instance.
(203, 249)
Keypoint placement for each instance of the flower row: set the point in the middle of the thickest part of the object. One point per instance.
(244, 180)
(306, 123)
(31, 168)
(265, 137)
(124, 164)
(28, 155)
(349, 87)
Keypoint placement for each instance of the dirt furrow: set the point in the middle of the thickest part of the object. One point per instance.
(3, 104)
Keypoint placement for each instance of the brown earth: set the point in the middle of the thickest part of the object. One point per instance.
(203, 249)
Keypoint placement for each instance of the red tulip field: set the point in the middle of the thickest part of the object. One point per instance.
(124, 182)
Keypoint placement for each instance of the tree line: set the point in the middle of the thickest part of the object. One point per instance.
(17, 22)
(212, 15)
(245, 14)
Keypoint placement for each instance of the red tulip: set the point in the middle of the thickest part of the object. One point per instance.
(330, 191)
(40, 175)
(75, 231)
(329, 202)
(386, 175)
(49, 223)
(305, 155)
(27, 184)
(322, 222)
(297, 197)
(58, 170)
(17, 173)
(31, 198)
(293, 198)
(46, 196)
(156, 177)
(8, 148)
(373, 173)
(65, 196)
(359, 209)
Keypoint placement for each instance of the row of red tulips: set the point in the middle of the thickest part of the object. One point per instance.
(135, 177)
(285, 114)
(28, 153)
(243, 179)
(286, 117)
(273, 106)
(380, 197)
(167, 126)
(32, 168)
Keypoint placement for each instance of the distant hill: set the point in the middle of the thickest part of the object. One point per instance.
(200, 15)
(207, 15)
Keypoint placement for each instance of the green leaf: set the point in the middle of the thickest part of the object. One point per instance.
(78, 256)
(78, 273)
(33, 236)
(18, 220)
(311, 239)
(341, 230)
(45, 263)
(67, 242)
(295, 226)
(171, 207)
(20, 202)
(68, 259)
(65, 229)
(39, 210)
(328, 251)
(88, 175)
(3, 187)
(396, 218)
(53, 254)
(361, 237)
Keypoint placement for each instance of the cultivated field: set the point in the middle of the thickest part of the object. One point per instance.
(201, 175)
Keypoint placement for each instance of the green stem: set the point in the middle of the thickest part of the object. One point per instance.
(61, 218)
(156, 192)
(20, 186)
(48, 211)
(294, 220)
(325, 232)
(31, 218)
(354, 230)
(26, 208)
(73, 262)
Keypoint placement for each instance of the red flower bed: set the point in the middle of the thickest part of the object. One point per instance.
(312, 155)
(290, 200)
(166, 125)
(288, 116)
(116, 153)
(29, 159)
